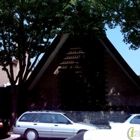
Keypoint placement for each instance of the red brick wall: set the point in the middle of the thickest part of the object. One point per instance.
(121, 90)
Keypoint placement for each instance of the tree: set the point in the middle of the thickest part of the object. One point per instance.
(123, 13)
(126, 14)
(26, 27)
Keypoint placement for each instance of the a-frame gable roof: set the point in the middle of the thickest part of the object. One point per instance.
(120, 61)
(46, 60)
(58, 43)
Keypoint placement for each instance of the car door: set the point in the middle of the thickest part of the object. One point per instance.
(43, 124)
(62, 127)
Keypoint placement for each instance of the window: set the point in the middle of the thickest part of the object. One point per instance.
(43, 118)
(57, 118)
(135, 120)
(27, 117)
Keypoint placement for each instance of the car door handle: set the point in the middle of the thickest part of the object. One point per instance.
(35, 124)
(56, 125)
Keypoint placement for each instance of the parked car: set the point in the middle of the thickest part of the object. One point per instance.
(128, 129)
(108, 134)
(4, 128)
(49, 124)
(132, 120)
(104, 134)
(100, 134)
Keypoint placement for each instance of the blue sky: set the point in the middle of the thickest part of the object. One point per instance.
(130, 56)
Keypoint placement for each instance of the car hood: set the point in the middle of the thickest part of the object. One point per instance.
(116, 124)
(85, 125)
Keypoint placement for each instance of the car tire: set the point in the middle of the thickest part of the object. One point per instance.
(31, 135)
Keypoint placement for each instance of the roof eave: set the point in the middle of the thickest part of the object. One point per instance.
(127, 70)
(48, 61)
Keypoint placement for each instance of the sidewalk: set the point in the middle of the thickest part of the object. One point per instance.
(11, 136)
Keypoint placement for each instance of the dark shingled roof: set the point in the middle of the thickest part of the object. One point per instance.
(58, 42)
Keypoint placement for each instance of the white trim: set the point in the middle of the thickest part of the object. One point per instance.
(119, 63)
(49, 60)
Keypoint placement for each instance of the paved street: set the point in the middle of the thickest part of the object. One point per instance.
(17, 137)
(11, 137)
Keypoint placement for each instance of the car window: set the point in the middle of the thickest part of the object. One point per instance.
(71, 118)
(27, 117)
(58, 118)
(125, 118)
(135, 120)
(43, 117)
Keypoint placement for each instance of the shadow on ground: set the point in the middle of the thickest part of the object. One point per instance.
(23, 138)
(4, 137)
(7, 137)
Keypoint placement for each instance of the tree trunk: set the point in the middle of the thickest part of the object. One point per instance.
(18, 103)
(14, 106)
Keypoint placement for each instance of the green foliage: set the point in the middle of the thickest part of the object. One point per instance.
(126, 14)
(26, 27)
(86, 20)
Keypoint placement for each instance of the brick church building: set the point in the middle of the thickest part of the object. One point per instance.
(83, 74)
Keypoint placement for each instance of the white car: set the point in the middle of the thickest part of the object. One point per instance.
(49, 124)
(129, 129)
(132, 120)
(100, 134)
(108, 134)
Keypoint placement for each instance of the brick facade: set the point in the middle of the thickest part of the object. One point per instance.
(120, 88)
(101, 83)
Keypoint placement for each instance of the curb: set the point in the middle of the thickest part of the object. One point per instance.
(11, 136)
(10, 132)
(14, 136)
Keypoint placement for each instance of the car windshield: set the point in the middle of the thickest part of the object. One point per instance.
(125, 118)
(70, 117)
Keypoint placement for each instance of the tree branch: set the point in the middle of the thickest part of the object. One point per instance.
(8, 74)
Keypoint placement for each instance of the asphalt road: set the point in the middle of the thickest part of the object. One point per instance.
(10, 137)
(17, 137)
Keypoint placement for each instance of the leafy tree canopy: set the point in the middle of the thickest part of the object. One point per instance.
(126, 14)
(123, 13)
(26, 27)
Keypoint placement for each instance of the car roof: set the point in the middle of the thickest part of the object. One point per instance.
(44, 111)
(134, 114)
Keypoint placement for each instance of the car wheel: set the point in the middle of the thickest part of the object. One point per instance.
(31, 135)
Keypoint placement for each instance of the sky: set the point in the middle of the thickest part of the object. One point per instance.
(132, 57)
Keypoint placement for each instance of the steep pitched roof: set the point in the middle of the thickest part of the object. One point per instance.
(58, 43)
(121, 62)
(46, 60)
